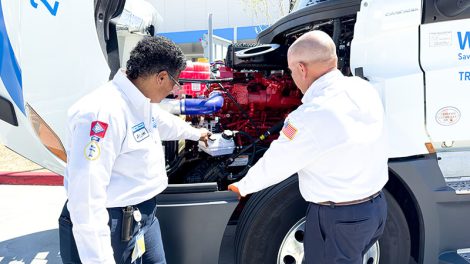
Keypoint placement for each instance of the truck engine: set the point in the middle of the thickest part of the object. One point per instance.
(237, 110)
(244, 105)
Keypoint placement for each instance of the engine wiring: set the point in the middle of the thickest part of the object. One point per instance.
(243, 111)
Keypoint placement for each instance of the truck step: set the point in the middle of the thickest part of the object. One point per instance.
(465, 254)
(461, 256)
(460, 187)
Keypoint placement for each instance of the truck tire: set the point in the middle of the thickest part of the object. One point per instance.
(395, 243)
(265, 220)
(270, 215)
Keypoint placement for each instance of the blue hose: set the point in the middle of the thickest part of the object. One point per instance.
(202, 106)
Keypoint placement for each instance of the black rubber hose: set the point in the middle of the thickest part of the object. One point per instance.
(273, 130)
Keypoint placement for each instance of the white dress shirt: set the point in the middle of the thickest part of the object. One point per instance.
(120, 162)
(335, 141)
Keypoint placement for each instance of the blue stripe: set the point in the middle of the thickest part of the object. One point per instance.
(138, 127)
(243, 33)
(10, 71)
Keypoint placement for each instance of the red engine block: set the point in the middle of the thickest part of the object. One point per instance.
(265, 101)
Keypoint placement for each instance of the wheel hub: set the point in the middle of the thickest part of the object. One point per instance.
(292, 247)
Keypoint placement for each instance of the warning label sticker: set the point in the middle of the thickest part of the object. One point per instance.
(448, 116)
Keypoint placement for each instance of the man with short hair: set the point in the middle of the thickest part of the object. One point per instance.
(335, 142)
(115, 160)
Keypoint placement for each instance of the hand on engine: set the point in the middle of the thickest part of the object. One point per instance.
(234, 189)
(205, 134)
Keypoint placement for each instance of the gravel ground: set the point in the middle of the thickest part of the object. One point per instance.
(12, 162)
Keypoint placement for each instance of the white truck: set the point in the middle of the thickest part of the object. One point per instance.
(416, 53)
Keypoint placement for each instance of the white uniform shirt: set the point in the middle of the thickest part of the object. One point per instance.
(335, 141)
(115, 158)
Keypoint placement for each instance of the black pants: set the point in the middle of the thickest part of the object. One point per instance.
(154, 253)
(343, 234)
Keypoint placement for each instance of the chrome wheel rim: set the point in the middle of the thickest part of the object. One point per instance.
(292, 247)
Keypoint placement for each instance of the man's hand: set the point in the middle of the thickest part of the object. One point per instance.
(205, 134)
(234, 189)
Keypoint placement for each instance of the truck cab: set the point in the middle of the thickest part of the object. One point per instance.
(415, 53)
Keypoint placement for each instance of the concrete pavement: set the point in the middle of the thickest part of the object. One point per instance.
(28, 223)
(29, 213)
(29, 227)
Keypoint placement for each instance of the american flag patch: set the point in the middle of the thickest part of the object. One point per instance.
(289, 130)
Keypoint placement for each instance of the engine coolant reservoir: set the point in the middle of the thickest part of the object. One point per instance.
(220, 144)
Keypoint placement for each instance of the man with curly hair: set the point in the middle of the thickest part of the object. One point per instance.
(115, 160)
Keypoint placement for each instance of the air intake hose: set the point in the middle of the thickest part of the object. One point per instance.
(194, 106)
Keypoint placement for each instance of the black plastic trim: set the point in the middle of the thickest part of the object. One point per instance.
(105, 11)
(442, 214)
(193, 224)
(403, 195)
(7, 112)
(321, 11)
(191, 188)
(359, 72)
(445, 10)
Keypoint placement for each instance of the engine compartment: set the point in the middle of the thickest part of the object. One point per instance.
(253, 103)
(258, 93)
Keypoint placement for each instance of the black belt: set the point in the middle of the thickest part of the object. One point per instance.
(359, 201)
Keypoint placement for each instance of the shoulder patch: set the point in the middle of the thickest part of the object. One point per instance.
(98, 129)
(289, 130)
(92, 151)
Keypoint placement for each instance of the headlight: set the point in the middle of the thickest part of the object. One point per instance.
(47, 136)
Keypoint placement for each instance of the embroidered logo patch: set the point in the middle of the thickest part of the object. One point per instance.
(140, 132)
(289, 130)
(98, 129)
(92, 151)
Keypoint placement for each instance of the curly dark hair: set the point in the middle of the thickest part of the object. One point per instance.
(155, 54)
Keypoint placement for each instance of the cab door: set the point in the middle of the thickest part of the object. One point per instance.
(445, 59)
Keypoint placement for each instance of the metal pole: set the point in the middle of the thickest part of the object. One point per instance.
(235, 34)
(210, 41)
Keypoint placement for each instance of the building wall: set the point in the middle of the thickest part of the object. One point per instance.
(186, 21)
(183, 15)
(187, 15)
(191, 16)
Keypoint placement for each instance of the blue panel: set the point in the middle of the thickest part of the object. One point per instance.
(249, 32)
(10, 71)
(185, 36)
(226, 33)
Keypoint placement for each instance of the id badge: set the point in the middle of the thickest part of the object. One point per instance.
(139, 247)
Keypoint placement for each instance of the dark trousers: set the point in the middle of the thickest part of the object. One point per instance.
(154, 253)
(343, 234)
